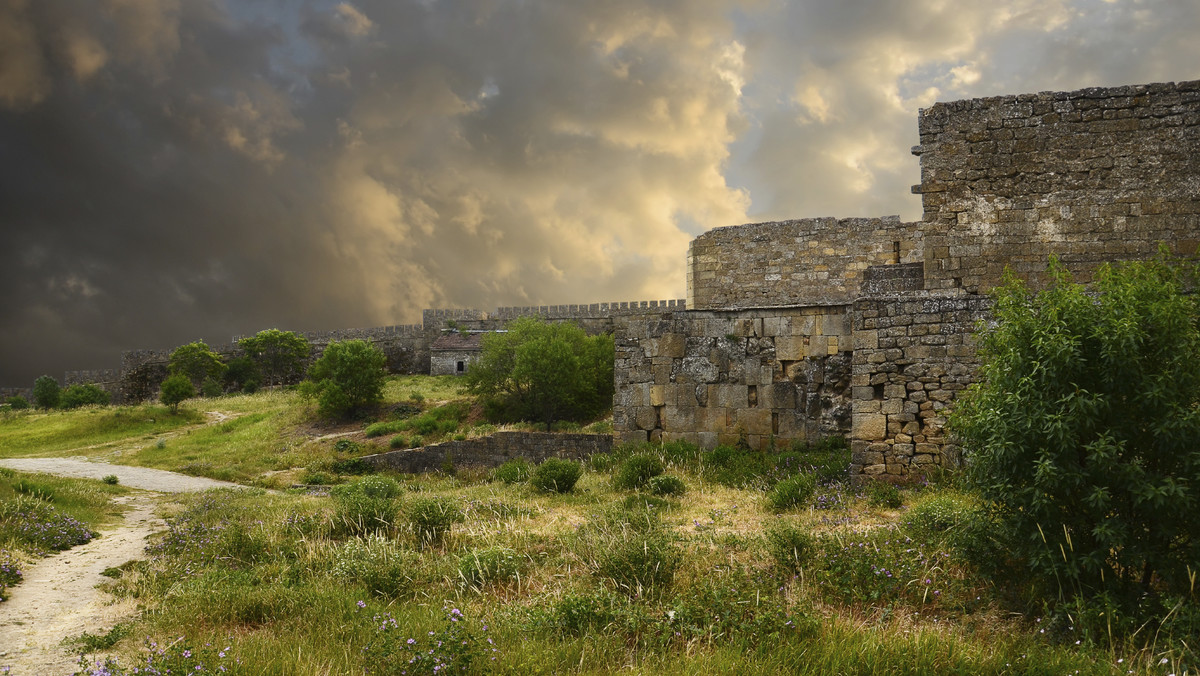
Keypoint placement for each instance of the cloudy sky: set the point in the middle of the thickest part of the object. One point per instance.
(173, 170)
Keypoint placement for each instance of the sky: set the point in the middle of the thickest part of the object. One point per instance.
(178, 170)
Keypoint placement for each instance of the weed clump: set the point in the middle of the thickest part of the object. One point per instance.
(493, 564)
(666, 484)
(376, 562)
(514, 471)
(883, 494)
(366, 506)
(432, 518)
(790, 547)
(556, 476)
(792, 493)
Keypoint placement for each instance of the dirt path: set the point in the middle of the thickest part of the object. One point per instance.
(59, 599)
(134, 477)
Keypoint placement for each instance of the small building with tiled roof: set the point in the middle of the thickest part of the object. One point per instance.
(452, 353)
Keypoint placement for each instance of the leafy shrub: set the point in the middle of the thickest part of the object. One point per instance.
(196, 362)
(347, 446)
(90, 394)
(792, 493)
(18, 403)
(1094, 459)
(666, 484)
(278, 355)
(176, 389)
(46, 392)
(884, 494)
(432, 518)
(111, 479)
(494, 564)
(728, 608)
(376, 562)
(555, 475)
(399, 442)
(635, 471)
(347, 379)
(312, 478)
(791, 548)
(514, 471)
(580, 614)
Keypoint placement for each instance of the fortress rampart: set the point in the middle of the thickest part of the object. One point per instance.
(1091, 176)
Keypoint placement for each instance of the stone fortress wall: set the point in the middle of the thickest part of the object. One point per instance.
(862, 326)
(405, 346)
(1091, 176)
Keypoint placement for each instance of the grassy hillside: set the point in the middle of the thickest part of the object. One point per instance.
(742, 562)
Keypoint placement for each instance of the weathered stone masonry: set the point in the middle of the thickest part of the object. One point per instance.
(1091, 176)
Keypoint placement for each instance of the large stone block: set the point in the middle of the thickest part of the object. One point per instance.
(868, 426)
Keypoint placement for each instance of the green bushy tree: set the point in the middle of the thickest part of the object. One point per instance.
(543, 372)
(347, 379)
(196, 361)
(175, 389)
(1081, 430)
(89, 394)
(279, 355)
(46, 392)
(18, 402)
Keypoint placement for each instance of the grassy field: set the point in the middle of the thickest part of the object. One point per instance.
(743, 563)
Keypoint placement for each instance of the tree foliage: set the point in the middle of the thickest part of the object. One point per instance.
(175, 389)
(197, 362)
(46, 392)
(543, 372)
(279, 355)
(89, 394)
(1082, 429)
(347, 379)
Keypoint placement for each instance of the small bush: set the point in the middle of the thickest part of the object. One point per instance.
(791, 548)
(495, 564)
(90, 394)
(18, 403)
(312, 478)
(556, 476)
(351, 466)
(432, 518)
(111, 479)
(514, 471)
(212, 387)
(883, 494)
(46, 392)
(399, 442)
(937, 516)
(347, 446)
(380, 429)
(792, 493)
(376, 562)
(635, 471)
(366, 506)
(666, 484)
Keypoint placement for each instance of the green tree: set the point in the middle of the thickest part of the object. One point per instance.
(1081, 432)
(46, 392)
(18, 402)
(90, 394)
(543, 372)
(280, 355)
(175, 389)
(197, 362)
(242, 375)
(347, 379)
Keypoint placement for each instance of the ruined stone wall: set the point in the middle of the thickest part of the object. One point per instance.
(1091, 176)
(813, 261)
(493, 451)
(913, 355)
(713, 378)
(445, 362)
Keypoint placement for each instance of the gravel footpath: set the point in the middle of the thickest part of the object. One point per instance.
(133, 477)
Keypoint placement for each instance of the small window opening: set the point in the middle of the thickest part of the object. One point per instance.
(460, 366)
(895, 252)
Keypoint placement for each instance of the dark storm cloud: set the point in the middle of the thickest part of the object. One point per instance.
(176, 170)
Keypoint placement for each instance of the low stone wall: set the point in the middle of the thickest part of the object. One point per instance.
(493, 451)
